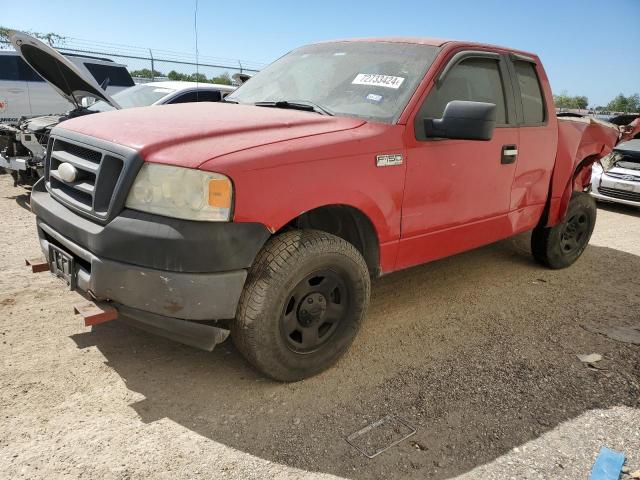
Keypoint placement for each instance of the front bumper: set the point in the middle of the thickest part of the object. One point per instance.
(189, 296)
(606, 188)
(151, 264)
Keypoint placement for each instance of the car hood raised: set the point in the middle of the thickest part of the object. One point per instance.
(190, 134)
(65, 78)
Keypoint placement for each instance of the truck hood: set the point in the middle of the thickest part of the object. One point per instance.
(65, 78)
(190, 134)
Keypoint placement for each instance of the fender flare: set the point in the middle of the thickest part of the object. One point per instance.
(579, 181)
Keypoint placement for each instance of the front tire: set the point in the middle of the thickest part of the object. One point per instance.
(303, 303)
(561, 245)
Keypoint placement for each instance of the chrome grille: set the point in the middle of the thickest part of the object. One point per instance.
(624, 176)
(621, 194)
(98, 174)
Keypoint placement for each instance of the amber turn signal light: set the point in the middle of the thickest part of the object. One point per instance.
(220, 193)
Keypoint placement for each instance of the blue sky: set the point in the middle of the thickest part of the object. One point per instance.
(588, 47)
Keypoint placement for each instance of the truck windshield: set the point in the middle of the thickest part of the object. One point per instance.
(371, 80)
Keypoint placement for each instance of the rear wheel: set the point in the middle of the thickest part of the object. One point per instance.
(561, 245)
(303, 303)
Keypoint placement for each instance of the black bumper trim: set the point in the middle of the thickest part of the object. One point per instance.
(154, 241)
(178, 295)
(204, 337)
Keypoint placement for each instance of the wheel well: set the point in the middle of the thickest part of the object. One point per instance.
(345, 222)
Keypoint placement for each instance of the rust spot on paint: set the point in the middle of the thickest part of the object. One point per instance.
(173, 307)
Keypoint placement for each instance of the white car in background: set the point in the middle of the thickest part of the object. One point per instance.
(24, 93)
(616, 177)
(164, 93)
(23, 146)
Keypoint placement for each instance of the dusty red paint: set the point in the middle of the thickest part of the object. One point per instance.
(582, 141)
(447, 196)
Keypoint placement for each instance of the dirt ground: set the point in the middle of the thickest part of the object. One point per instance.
(477, 352)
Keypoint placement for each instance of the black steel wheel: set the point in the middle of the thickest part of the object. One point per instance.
(576, 233)
(303, 303)
(314, 310)
(561, 245)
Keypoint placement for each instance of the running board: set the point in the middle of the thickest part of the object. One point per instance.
(194, 334)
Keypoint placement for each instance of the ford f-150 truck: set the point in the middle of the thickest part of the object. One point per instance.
(267, 215)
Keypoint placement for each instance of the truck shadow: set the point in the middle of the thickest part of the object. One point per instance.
(619, 208)
(23, 200)
(477, 352)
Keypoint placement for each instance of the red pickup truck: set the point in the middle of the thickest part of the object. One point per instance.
(342, 161)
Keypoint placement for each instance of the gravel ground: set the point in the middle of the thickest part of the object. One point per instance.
(477, 352)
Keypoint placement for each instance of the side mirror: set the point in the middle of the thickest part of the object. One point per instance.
(463, 120)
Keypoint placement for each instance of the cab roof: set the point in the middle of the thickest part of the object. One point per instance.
(434, 42)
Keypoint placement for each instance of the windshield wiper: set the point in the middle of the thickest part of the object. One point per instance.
(304, 105)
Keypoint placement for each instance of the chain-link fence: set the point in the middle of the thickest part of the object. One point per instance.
(148, 64)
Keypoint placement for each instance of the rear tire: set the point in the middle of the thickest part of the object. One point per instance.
(304, 301)
(561, 245)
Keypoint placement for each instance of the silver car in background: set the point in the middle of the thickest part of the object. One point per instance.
(616, 178)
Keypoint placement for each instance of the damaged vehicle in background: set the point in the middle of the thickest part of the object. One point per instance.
(616, 177)
(23, 145)
(24, 93)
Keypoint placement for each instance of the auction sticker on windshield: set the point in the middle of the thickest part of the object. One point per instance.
(373, 79)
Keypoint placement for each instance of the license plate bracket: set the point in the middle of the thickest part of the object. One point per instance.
(62, 265)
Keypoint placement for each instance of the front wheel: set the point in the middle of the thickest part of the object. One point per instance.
(561, 245)
(303, 303)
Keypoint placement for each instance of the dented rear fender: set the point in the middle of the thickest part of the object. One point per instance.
(581, 143)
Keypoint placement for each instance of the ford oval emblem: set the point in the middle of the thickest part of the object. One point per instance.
(67, 172)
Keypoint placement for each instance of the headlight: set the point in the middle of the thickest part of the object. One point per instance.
(181, 193)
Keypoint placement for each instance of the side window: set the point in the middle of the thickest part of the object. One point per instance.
(27, 73)
(118, 76)
(473, 79)
(9, 67)
(209, 96)
(530, 92)
(185, 98)
(201, 96)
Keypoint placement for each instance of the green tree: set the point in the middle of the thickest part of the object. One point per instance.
(634, 102)
(173, 75)
(581, 102)
(146, 73)
(223, 79)
(198, 77)
(564, 100)
(619, 104)
(561, 100)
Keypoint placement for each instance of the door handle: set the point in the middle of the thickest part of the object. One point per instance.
(509, 154)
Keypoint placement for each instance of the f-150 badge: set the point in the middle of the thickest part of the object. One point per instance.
(388, 160)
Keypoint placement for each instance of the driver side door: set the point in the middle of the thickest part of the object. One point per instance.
(457, 192)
